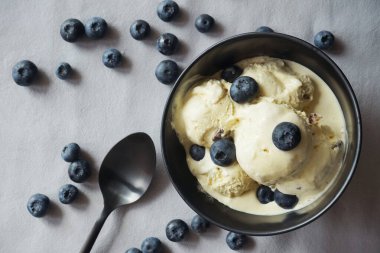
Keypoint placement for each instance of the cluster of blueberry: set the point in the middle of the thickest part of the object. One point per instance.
(176, 231)
(167, 71)
(285, 136)
(79, 170)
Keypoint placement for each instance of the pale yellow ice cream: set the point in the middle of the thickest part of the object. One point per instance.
(255, 151)
(288, 92)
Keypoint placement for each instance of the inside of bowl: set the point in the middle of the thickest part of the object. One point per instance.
(225, 54)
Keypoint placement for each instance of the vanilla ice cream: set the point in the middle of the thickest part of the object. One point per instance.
(288, 92)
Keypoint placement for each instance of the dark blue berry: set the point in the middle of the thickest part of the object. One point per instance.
(133, 250)
(139, 29)
(197, 152)
(167, 43)
(38, 205)
(95, 28)
(176, 230)
(324, 40)
(243, 89)
(264, 29)
(285, 201)
(71, 29)
(204, 23)
(167, 71)
(264, 194)
(231, 73)
(199, 224)
(67, 193)
(79, 171)
(24, 72)
(167, 10)
(111, 58)
(223, 152)
(286, 136)
(63, 71)
(151, 245)
(235, 241)
(70, 152)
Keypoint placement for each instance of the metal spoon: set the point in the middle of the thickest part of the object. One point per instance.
(124, 176)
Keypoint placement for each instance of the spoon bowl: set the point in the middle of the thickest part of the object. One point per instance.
(124, 176)
(127, 170)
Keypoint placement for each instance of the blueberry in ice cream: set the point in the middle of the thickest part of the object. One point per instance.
(223, 152)
(38, 205)
(286, 136)
(151, 245)
(24, 73)
(167, 43)
(231, 73)
(95, 28)
(167, 71)
(167, 10)
(286, 201)
(197, 152)
(176, 230)
(204, 23)
(139, 29)
(70, 152)
(264, 29)
(199, 224)
(71, 29)
(111, 58)
(324, 40)
(243, 89)
(264, 194)
(235, 241)
(63, 71)
(289, 136)
(79, 171)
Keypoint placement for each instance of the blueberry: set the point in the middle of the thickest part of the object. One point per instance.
(264, 29)
(133, 250)
(223, 152)
(285, 201)
(204, 23)
(79, 171)
(176, 230)
(264, 194)
(139, 29)
(111, 58)
(167, 43)
(167, 71)
(324, 40)
(199, 224)
(95, 28)
(63, 71)
(197, 152)
(235, 241)
(67, 193)
(243, 89)
(70, 152)
(24, 72)
(286, 136)
(167, 10)
(71, 29)
(231, 73)
(151, 245)
(38, 205)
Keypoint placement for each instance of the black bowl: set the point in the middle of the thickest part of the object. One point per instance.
(226, 53)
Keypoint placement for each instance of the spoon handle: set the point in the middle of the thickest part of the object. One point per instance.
(95, 231)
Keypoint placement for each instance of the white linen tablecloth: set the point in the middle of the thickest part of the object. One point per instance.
(100, 106)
